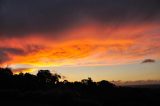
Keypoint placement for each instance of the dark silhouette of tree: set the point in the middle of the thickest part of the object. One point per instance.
(30, 81)
(46, 77)
(55, 78)
(6, 72)
(5, 77)
(87, 81)
(65, 81)
(105, 84)
(45, 87)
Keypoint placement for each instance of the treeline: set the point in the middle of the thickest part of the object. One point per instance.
(46, 89)
(44, 80)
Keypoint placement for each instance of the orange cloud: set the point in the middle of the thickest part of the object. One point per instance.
(93, 44)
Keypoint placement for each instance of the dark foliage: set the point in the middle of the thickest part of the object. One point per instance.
(45, 89)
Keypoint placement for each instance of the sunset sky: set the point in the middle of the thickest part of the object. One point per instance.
(102, 39)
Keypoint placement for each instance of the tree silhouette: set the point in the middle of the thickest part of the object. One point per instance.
(104, 84)
(5, 77)
(45, 87)
(88, 81)
(55, 78)
(46, 77)
(6, 72)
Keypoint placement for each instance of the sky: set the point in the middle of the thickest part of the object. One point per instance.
(102, 39)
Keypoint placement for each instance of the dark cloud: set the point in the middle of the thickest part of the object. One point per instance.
(6, 51)
(3, 57)
(149, 61)
(14, 51)
(20, 17)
